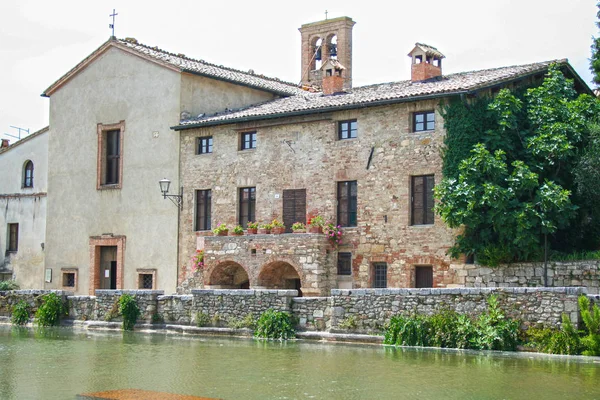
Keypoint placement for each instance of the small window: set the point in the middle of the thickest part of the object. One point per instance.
(69, 278)
(380, 275)
(423, 277)
(424, 121)
(344, 266)
(203, 210)
(347, 129)
(28, 175)
(113, 153)
(205, 145)
(13, 237)
(146, 279)
(347, 203)
(248, 141)
(422, 200)
(247, 206)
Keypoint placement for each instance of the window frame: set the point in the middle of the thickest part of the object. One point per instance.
(251, 143)
(206, 196)
(28, 169)
(102, 155)
(348, 123)
(429, 269)
(344, 270)
(425, 200)
(250, 212)
(344, 191)
(140, 272)
(12, 244)
(425, 122)
(67, 271)
(378, 277)
(204, 145)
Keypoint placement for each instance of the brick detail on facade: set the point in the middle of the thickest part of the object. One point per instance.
(424, 71)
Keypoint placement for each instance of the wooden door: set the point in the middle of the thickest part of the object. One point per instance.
(294, 207)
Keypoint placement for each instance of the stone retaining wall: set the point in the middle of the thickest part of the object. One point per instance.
(107, 302)
(560, 274)
(313, 313)
(9, 298)
(372, 308)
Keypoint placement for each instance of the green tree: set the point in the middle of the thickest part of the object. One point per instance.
(515, 185)
(595, 60)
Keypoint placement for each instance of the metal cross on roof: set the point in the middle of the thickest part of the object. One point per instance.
(326, 14)
(112, 26)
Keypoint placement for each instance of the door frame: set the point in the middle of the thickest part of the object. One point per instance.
(96, 243)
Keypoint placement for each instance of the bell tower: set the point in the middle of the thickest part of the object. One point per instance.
(322, 41)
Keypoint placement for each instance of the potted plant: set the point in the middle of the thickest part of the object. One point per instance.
(298, 227)
(237, 231)
(252, 228)
(334, 234)
(277, 227)
(264, 229)
(221, 230)
(315, 224)
(198, 260)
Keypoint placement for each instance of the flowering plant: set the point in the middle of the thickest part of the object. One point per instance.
(198, 260)
(298, 226)
(238, 230)
(334, 233)
(252, 225)
(222, 228)
(265, 226)
(277, 224)
(316, 220)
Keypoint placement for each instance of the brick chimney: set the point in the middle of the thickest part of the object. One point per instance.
(426, 62)
(333, 77)
(5, 143)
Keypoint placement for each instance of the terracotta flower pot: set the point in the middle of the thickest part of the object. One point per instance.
(223, 233)
(236, 234)
(300, 231)
(263, 231)
(251, 231)
(277, 230)
(315, 229)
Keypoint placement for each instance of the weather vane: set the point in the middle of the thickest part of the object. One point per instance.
(112, 26)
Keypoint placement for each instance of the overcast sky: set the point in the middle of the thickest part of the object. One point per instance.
(41, 40)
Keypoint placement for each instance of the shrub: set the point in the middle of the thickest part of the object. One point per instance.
(20, 313)
(494, 331)
(591, 320)
(239, 323)
(555, 341)
(130, 311)
(8, 285)
(202, 319)
(275, 325)
(349, 323)
(157, 318)
(50, 311)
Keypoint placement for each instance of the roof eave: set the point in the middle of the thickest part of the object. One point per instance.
(274, 91)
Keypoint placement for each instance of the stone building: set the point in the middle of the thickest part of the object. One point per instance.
(366, 158)
(23, 196)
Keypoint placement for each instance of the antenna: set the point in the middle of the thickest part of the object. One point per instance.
(112, 26)
(20, 129)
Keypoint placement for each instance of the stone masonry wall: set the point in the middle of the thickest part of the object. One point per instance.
(107, 302)
(306, 153)
(313, 313)
(9, 298)
(373, 308)
(569, 274)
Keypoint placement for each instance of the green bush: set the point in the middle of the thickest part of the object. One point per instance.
(8, 285)
(555, 341)
(50, 311)
(130, 311)
(157, 318)
(239, 323)
(202, 319)
(20, 313)
(591, 320)
(275, 325)
(493, 331)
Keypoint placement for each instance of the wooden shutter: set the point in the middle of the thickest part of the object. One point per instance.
(294, 207)
(423, 277)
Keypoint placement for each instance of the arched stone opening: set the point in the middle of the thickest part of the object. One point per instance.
(228, 275)
(316, 54)
(280, 275)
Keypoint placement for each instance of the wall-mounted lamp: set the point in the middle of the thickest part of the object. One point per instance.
(177, 199)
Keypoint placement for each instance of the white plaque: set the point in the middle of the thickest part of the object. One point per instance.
(48, 277)
(107, 273)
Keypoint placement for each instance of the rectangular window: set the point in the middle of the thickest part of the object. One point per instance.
(347, 203)
(247, 206)
(68, 279)
(422, 200)
(205, 145)
(248, 140)
(347, 129)
(379, 275)
(110, 156)
(424, 121)
(344, 266)
(146, 279)
(203, 210)
(13, 237)
(423, 277)
(294, 207)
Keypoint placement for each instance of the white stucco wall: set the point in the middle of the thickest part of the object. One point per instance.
(26, 207)
(116, 86)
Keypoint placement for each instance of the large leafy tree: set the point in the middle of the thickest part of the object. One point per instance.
(595, 60)
(516, 185)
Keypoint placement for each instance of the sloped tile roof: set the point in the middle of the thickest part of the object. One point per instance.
(306, 103)
(183, 63)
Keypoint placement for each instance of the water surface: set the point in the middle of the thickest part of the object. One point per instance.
(59, 363)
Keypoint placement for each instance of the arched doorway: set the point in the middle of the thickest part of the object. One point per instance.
(280, 275)
(229, 275)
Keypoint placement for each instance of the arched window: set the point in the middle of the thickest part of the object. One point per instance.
(28, 175)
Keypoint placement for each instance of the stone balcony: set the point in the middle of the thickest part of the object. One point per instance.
(302, 261)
